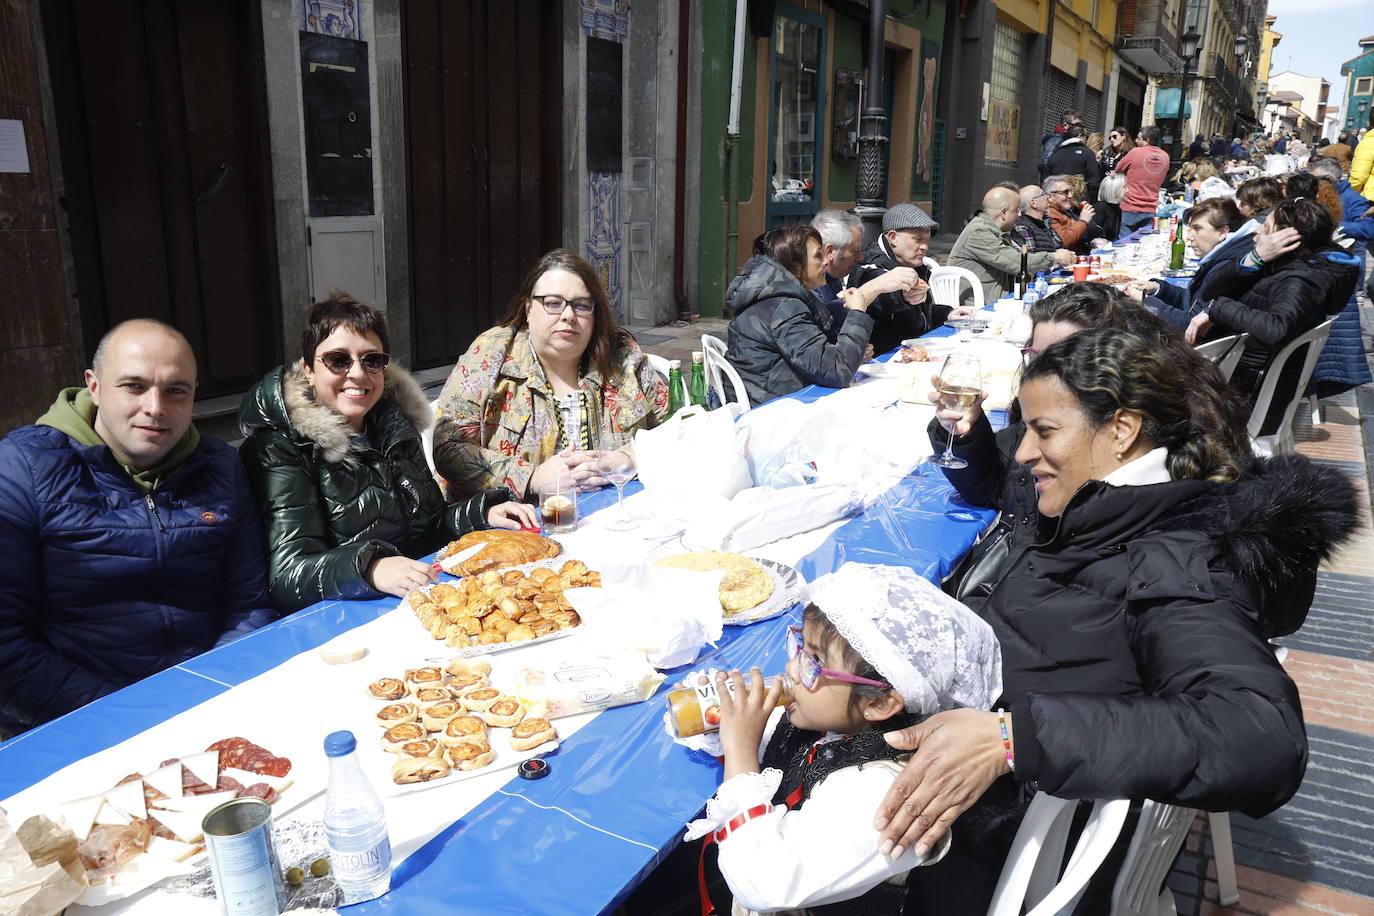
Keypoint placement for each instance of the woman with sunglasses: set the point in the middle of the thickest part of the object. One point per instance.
(546, 393)
(334, 453)
(879, 648)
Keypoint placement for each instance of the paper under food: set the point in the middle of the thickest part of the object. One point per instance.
(40, 872)
(586, 683)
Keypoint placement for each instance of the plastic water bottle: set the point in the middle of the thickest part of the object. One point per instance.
(1031, 297)
(1042, 286)
(354, 824)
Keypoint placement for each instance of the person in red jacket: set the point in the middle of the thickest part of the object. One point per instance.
(1145, 168)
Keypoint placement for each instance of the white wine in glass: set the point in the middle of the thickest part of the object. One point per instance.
(961, 382)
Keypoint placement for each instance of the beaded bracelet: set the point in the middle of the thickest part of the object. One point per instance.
(1006, 738)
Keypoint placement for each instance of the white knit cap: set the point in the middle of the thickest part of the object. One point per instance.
(933, 650)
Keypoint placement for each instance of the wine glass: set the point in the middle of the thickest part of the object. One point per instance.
(961, 381)
(619, 468)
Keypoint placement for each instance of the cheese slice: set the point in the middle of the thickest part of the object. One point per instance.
(166, 780)
(111, 816)
(79, 814)
(128, 798)
(192, 803)
(278, 784)
(171, 850)
(204, 766)
(185, 824)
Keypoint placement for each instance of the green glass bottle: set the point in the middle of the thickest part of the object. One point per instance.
(1176, 251)
(698, 379)
(676, 393)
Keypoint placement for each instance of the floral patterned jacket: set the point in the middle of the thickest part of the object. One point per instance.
(497, 419)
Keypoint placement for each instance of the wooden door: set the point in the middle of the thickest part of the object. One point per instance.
(161, 116)
(483, 100)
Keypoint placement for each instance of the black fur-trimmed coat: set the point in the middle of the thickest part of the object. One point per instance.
(332, 502)
(1134, 636)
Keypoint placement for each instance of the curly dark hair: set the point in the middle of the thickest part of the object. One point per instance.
(1185, 405)
(340, 310)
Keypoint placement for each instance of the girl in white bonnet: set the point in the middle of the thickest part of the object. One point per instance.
(879, 648)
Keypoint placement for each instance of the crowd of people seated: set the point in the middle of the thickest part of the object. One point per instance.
(1141, 558)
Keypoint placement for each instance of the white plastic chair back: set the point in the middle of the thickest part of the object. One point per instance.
(1159, 834)
(930, 262)
(947, 285)
(1225, 352)
(1280, 442)
(1032, 873)
(718, 369)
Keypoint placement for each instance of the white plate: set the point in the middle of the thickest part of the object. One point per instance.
(788, 586)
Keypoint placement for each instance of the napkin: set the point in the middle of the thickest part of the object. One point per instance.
(761, 515)
(28, 888)
(670, 614)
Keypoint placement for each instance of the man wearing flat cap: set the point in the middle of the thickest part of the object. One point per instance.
(908, 312)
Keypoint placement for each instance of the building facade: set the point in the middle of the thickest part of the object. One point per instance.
(1358, 99)
(1308, 95)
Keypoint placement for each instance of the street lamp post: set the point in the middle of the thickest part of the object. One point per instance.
(872, 177)
(1187, 47)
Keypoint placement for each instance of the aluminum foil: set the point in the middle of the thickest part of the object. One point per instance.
(298, 844)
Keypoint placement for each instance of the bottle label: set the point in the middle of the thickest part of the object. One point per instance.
(360, 866)
(708, 698)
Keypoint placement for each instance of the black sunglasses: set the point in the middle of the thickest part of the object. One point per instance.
(339, 362)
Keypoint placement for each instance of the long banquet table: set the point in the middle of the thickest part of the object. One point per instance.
(619, 791)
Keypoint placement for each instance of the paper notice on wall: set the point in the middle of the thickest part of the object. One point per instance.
(14, 152)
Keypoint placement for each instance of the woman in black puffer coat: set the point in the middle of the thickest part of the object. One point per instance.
(336, 461)
(778, 338)
(1134, 625)
(1276, 302)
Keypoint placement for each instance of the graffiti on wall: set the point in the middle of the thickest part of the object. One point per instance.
(925, 130)
(340, 18)
(1004, 130)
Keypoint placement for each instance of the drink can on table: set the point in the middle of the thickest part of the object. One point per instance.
(243, 859)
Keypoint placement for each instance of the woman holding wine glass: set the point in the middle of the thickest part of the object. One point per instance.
(1134, 622)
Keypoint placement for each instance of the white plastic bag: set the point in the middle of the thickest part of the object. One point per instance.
(696, 453)
(776, 448)
(763, 515)
(669, 614)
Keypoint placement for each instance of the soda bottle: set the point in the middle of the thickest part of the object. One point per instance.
(354, 824)
(676, 395)
(698, 379)
(695, 709)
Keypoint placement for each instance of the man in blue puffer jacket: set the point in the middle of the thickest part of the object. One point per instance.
(130, 543)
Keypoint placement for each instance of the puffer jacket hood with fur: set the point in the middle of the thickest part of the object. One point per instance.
(334, 501)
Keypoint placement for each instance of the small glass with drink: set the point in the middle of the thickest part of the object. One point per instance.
(558, 506)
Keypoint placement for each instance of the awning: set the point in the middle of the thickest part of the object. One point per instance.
(1166, 104)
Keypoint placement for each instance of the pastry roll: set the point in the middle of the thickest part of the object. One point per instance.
(461, 729)
(387, 688)
(470, 755)
(397, 735)
(436, 717)
(422, 747)
(479, 699)
(460, 684)
(431, 676)
(442, 593)
(459, 666)
(430, 695)
(396, 713)
(520, 633)
(419, 769)
(531, 733)
(503, 713)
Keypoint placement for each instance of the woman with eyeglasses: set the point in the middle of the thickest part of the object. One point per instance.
(335, 456)
(1134, 626)
(548, 392)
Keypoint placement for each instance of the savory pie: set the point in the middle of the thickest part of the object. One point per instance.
(746, 584)
(503, 548)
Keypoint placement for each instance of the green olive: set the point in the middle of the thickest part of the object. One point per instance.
(319, 868)
(294, 876)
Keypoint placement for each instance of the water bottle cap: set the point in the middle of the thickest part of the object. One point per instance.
(339, 744)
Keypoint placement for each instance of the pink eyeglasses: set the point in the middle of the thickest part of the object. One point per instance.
(811, 670)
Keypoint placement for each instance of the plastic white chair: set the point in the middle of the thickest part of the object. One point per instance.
(1037, 853)
(930, 262)
(1225, 352)
(427, 438)
(1160, 832)
(947, 285)
(1280, 442)
(718, 369)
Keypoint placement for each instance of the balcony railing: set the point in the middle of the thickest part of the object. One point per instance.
(1226, 79)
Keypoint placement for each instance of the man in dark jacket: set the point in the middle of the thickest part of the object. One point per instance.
(1050, 142)
(131, 544)
(1198, 148)
(1073, 157)
(909, 312)
(1031, 227)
